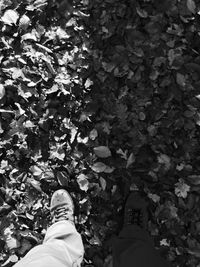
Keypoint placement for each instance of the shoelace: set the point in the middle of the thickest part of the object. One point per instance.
(62, 213)
(134, 216)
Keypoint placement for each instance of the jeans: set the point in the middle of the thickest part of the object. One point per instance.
(62, 247)
(134, 248)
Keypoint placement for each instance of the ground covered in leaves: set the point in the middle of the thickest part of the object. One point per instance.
(100, 97)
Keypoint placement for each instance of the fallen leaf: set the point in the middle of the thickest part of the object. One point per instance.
(152, 130)
(98, 167)
(35, 184)
(195, 252)
(191, 6)
(48, 175)
(1, 129)
(122, 153)
(2, 91)
(24, 22)
(182, 189)
(93, 134)
(83, 182)
(57, 153)
(109, 169)
(154, 197)
(142, 116)
(11, 241)
(36, 171)
(82, 140)
(194, 179)
(180, 79)
(29, 216)
(10, 17)
(102, 151)
(164, 160)
(28, 124)
(189, 113)
(29, 36)
(103, 183)
(130, 160)
(28, 235)
(164, 242)
(88, 83)
(25, 246)
(37, 4)
(62, 178)
(141, 12)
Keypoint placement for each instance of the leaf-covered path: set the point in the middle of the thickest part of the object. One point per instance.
(100, 97)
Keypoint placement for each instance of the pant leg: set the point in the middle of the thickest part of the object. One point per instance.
(134, 248)
(62, 247)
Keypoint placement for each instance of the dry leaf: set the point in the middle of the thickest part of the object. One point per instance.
(11, 241)
(10, 17)
(25, 246)
(102, 151)
(93, 134)
(35, 170)
(182, 189)
(103, 183)
(154, 197)
(180, 79)
(109, 169)
(35, 184)
(194, 179)
(165, 160)
(2, 91)
(99, 167)
(131, 159)
(24, 22)
(191, 6)
(83, 182)
(62, 178)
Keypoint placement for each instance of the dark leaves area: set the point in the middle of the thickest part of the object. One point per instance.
(100, 97)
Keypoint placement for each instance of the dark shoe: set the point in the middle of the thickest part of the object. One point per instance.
(135, 211)
(62, 206)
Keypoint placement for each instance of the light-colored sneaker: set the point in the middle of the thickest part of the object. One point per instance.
(62, 206)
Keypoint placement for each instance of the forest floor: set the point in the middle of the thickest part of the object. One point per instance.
(100, 97)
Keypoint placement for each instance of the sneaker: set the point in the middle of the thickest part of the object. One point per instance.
(62, 206)
(135, 211)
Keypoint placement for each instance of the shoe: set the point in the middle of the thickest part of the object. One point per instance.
(62, 206)
(135, 210)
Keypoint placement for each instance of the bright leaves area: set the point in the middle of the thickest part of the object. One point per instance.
(100, 97)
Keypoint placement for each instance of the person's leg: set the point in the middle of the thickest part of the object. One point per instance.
(62, 245)
(134, 247)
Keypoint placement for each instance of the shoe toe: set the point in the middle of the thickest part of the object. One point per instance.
(135, 212)
(61, 197)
